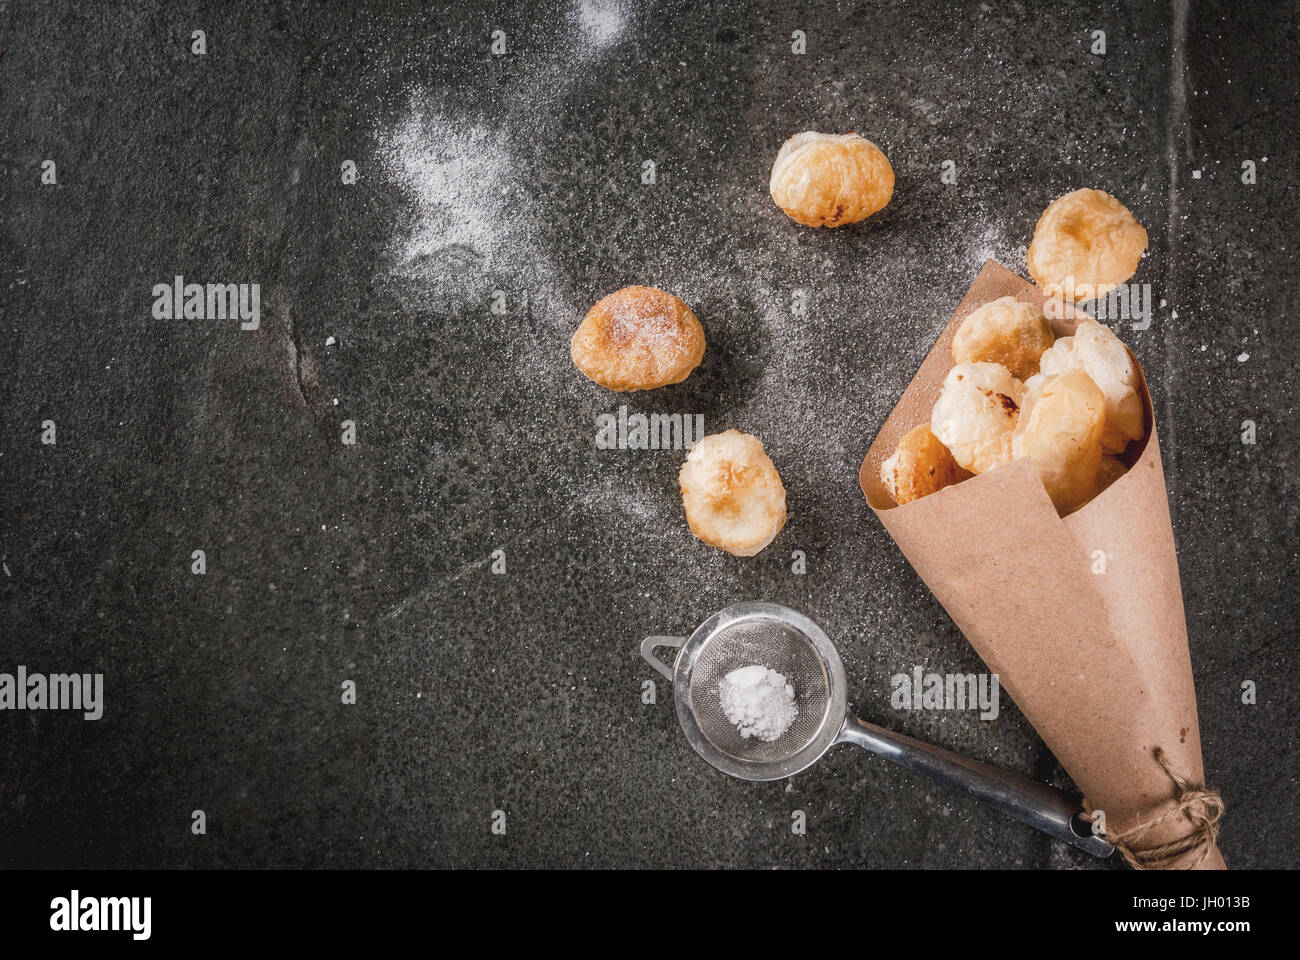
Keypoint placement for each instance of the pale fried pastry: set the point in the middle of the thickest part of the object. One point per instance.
(1089, 239)
(827, 180)
(976, 413)
(1103, 356)
(638, 338)
(732, 494)
(1006, 331)
(1111, 469)
(1060, 429)
(920, 466)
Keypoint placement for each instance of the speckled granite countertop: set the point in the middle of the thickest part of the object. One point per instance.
(523, 173)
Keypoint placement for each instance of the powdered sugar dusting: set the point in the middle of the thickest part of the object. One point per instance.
(991, 243)
(472, 209)
(603, 22)
(459, 178)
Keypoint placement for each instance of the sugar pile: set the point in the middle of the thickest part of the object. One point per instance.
(759, 701)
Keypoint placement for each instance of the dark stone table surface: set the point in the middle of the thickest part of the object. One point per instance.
(523, 173)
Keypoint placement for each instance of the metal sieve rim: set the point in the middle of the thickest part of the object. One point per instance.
(836, 695)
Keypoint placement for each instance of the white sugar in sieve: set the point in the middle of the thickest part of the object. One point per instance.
(791, 644)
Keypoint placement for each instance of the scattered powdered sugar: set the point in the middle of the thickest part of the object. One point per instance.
(473, 208)
(641, 327)
(991, 243)
(603, 22)
(457, 176)
(759, 701)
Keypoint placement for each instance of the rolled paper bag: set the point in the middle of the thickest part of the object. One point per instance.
(1080, 617)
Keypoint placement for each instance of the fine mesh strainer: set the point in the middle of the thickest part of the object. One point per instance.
(791, 644)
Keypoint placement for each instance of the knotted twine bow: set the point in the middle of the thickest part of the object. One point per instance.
(1202, 806)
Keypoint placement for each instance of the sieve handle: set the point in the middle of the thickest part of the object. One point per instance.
(1032, 803)
(650, 644)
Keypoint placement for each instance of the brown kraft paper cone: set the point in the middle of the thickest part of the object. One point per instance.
(1098, 662)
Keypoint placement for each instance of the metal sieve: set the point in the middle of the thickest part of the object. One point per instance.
(789, 643)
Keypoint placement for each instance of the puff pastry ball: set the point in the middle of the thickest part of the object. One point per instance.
(828, 180)
(1060, 431)
(638, 338)
(1103, 356)
(976, 414)
(1087, 235)
(919, 466)
(732, 494)
(1005, 331)
(1111, 469)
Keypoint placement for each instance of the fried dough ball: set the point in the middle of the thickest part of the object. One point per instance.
(638, 338)
(920, 466)
(732, 493)
(827, 180)
(1111, 469)
(1103, 356)
(976, 413)
(1006, 331)
(1060, 431)
(1089, 236)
